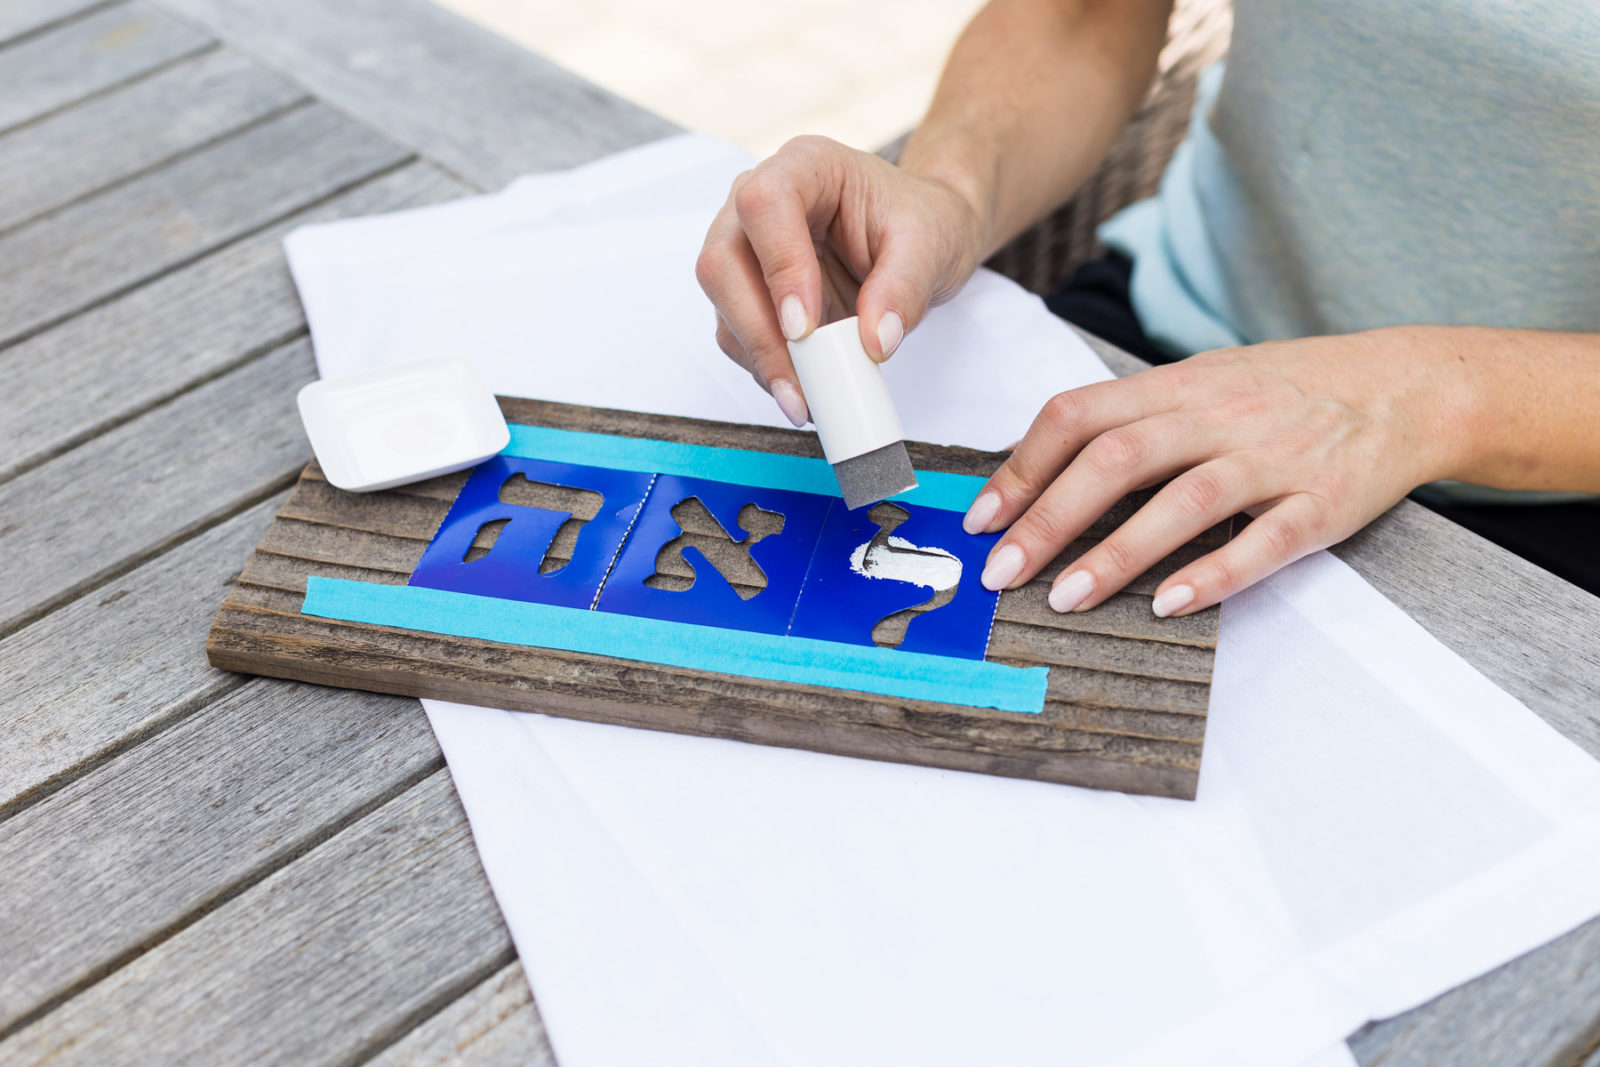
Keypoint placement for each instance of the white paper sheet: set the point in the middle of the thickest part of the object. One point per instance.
(1376, 822)
(577, 288)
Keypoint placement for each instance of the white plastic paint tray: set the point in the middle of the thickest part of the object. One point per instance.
(400, 424)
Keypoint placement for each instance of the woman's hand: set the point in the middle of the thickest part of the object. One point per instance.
(820, 232)
(1314, 437)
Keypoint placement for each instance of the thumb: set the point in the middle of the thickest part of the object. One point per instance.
(895, 295)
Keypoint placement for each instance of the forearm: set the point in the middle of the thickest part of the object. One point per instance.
(1525, 403)
(1033, 96)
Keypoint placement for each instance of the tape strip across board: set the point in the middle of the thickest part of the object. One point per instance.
(768, 470)
(778, 658)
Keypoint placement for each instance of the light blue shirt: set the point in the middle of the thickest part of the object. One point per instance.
(1365, 163)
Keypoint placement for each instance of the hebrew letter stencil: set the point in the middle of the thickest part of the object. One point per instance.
(731, 558)
(856, 582)
(780, 553)
(497, 542)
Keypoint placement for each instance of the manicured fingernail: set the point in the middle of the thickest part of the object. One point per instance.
(1071, 591)
(790, 402)
(982, 512)
(891, 328)
(792, 317)
(1003, 568)
(1175, 599)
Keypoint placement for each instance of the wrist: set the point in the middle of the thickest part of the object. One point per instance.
(964, 166)
(1448, 399)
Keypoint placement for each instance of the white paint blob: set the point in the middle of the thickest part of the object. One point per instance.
(902, 561)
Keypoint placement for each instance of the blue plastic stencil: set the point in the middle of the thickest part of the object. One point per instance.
(811, 620)
(783, 557)
(510, 571)
(839, 603)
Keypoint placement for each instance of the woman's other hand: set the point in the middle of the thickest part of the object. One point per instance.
(1315, 438)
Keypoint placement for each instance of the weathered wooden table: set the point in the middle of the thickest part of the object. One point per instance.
(199, 867)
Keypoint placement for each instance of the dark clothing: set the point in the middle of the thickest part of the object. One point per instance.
(1562, 538)
(1095, 297)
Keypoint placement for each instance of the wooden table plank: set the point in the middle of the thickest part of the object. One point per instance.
(113, 862)
(88, 55)
(111, 241)
(128, 494)
(1533, 634)
(125, 356)
(1539, 1011)
(482, 107)
(342, 951)
(110, 137)
(20, 18)
(494, 1024)
(139, 649)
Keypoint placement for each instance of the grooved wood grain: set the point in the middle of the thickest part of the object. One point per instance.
(57, 160)
(370, 931)
(90, 54)
(495, 1024)
(1124, 708)
(85, 515)
(107, 242)
(97, 870)
(145, 346)
(138, 648)
(482, 107)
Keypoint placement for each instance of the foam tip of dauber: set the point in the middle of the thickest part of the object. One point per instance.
(876, 475)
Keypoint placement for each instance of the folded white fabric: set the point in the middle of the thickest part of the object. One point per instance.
(1376, 822)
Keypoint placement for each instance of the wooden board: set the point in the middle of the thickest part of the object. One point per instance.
(1125, 706)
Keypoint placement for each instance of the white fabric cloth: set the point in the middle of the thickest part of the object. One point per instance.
(1376, 821)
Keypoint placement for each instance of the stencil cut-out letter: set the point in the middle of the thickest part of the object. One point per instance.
(890, 558)
(728, 556)
(717, 554)
(484, 540)
(524, 529)
(580, 505)
(898, 576)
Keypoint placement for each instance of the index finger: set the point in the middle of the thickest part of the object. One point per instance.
(728, 272)
(777, 205)
(1066, 423)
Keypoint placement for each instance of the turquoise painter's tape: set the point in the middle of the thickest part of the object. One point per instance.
(768, 470)
(887, 672)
